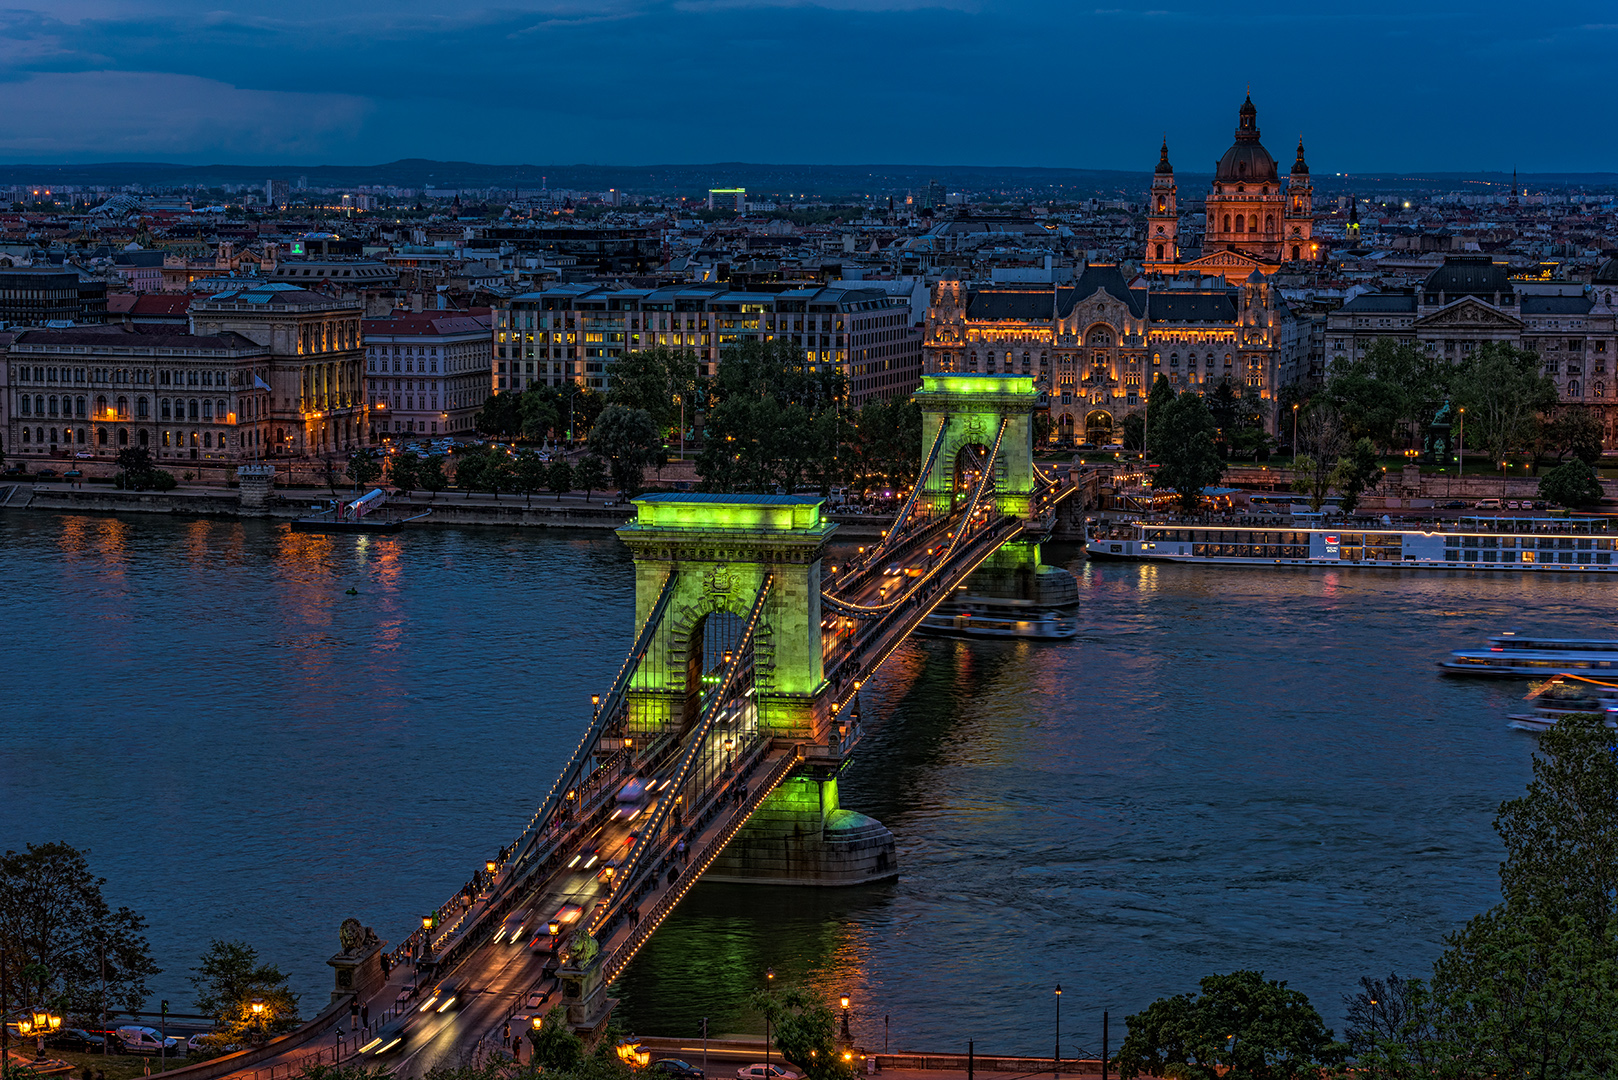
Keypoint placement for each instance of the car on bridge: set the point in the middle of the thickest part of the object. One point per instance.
(511, 930)
(676, 1068)
(445, 997)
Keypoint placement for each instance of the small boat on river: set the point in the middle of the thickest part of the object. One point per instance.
(366, 514)
(1515, 656)
(1036, 625)
(1567, 695)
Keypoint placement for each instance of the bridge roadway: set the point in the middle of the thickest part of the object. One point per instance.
(499, 981)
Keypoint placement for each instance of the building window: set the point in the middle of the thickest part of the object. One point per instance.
(142, 411)
(163, 407)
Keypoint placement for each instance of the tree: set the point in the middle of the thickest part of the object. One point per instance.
(1503, 392)
(773, 421)
(363, 468)
(1355, 473)
(1042, 428)
(589, 474)
(1184, 437)
(501, 416)
(431, 475)
(539, 415)
(1574, 484)
(805, 1029)
(529, 474)
(1134, 433)
(628, 439)
(554, 1045)
(404, 472)
(1390, 1028)
(1574, 432)
(55, 923)
(1250, 442)
(1321, 441)
(138, 473)
(559, 478)
(1224, 406)
(469, 471)
(1241, 1027)
(498, 473)
(228, 979)
(1161, 395)
(655, 381)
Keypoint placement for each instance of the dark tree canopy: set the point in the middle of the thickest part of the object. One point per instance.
(55, 924)
(1183, 435)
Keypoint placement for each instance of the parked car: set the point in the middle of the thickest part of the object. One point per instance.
(146, 1040)
(76, 1039)
(772, 1071)
(44, 473)
(1487, 504)
(676, 1068)
(1454, 504)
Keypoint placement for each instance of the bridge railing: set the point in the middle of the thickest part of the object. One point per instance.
(656, 833)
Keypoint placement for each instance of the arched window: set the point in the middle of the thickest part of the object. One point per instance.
(142, 409)
(1027, 363)
(101, 436)
(1573, 388)
(101, 407)
(123, 408)
(123, 436)
(1600, 389)
(78, 406)
(1227, 222)
(25, 435)
(164, 407)
(1160, 253)
(396, 367)
(207, 409)
(191, 409)
(53, 407)
(1241, 223)
(1252, 223)
(39, 404)
(207, 439)
(141, 436)
(27, 403)
(221, 409)
(1174, 360)
(1294, 252)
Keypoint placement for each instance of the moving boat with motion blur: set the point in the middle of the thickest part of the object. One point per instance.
(1516, 656)
(1567, 695)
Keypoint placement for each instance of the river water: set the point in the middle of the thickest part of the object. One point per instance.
(1230, 767)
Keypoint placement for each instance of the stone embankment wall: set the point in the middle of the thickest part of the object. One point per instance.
(1440, 486)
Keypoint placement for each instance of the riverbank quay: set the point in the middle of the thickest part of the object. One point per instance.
(904, 1065)
(602, 512)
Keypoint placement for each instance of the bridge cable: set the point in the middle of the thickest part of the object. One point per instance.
(608, 710)
(984, 483)
(624, 880)
(915, 490)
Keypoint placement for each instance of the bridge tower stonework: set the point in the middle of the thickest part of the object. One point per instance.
(972, 407)
(722, 547)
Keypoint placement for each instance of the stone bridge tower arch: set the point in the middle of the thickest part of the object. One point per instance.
(976, 405)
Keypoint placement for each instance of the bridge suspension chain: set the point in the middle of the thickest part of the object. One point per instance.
(903, 515)
(608, 711)
(985, 481)
(636, 864)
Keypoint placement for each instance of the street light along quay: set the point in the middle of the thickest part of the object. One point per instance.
(1056, 1058)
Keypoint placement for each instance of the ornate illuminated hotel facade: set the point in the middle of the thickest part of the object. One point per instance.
(1253, 221)
(1095, 349)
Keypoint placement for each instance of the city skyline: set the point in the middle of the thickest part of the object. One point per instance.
(563, 82)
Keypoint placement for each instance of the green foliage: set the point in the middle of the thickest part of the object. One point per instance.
(363, 468)
(1161, 395)
(501, 416)
(228, 978)
(1574, 484)
(1252, 442)
(554, 1045)
(886, 446)
(559, 478)
(1241, 1027)
(628, 440)
(1355, 473)
(54, 922)
(1134, 433)
(590, 474)
(529, 473)
(1575, 432)
(1043, 426)
(404, 473)
(655, 381)
(469, 470)
(538, 414)
(1390, 1030)
(1224, 406)
(805, 1029)
(1183, 434)
(773, 421)
(1503, 392)
(499, 473)
(430, 475)
(136, 472)
(1394, 389)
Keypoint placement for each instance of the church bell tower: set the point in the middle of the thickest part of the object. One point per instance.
(1299, 245)
(1163, 218)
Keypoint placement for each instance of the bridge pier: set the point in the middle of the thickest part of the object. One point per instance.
(802, 835)
(1015, 573)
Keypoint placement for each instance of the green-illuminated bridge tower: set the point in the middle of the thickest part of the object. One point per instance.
(971, 411)
(721, 549)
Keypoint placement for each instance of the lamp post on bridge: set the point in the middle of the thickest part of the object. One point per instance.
(1056, 1059)
(769, 988)
(426, 958)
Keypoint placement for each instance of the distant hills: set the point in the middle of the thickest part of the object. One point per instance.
(825, 181)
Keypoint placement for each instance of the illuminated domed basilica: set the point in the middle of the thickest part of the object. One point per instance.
(1254, 222)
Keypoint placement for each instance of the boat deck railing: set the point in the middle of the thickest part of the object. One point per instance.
(1123, 529)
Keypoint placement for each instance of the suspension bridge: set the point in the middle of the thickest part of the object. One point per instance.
(716, 750)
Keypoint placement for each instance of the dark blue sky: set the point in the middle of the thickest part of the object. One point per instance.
(1381, 86)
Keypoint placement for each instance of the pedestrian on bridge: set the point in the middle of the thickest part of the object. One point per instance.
(516, 1049)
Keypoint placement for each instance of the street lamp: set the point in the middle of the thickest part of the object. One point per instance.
(730, 744)
(426, 941)
(1056, 1059)
(846, 1036)
(769, 987)
(1461, 437)
(256, 1007)
(1294, 431)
